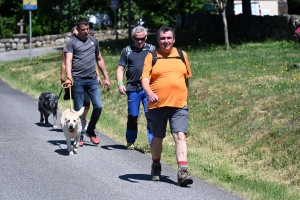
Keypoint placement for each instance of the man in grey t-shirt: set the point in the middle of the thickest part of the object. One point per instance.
(81, 54)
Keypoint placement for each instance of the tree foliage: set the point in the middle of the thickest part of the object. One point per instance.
(163, 12)
(59, 16)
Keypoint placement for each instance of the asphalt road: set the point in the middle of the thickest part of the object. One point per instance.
(25, 53)
(34, 163)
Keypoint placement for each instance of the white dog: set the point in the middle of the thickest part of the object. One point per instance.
(71, 126)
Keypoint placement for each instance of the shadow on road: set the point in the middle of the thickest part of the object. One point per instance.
(134, 178)
(115, 146)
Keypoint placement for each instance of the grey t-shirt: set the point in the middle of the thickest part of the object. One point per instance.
(133, 59)
(84, 56)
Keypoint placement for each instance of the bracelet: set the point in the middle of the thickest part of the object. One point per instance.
(120, 83)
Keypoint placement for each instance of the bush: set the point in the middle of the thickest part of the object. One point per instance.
(6, 27)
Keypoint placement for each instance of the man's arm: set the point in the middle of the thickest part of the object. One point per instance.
(152, 97)
(121, 86)
(69, 57)
(101, 65)
(63, 67)
(98, 75)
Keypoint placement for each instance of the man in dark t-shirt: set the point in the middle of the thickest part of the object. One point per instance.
(81, 54)
(132, 62)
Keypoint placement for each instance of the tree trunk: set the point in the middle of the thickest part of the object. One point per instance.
(230, 8)
(225, 29)
(246, 7)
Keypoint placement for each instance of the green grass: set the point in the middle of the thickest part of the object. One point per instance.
(244, 112)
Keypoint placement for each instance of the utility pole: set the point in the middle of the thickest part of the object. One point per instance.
(30, 5)
(129, 19)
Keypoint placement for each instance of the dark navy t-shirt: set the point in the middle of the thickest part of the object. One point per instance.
(134, 64)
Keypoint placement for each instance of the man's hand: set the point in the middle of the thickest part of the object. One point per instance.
(68, 83)
(107, 84)
(153, 98)
(122, 89)
(99, 80)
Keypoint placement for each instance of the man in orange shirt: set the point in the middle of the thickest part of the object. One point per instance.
(166, 84)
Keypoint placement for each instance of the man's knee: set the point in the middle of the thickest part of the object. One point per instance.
(98, 105)
(132, 122)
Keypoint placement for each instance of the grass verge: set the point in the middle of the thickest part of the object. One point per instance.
(244, 113)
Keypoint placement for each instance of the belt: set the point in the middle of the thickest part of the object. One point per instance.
(84, 77)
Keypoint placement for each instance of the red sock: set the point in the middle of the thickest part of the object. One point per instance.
(182, 164)
(157, 160)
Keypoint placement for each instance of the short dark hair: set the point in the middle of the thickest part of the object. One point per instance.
(82, 21)
(165, 29)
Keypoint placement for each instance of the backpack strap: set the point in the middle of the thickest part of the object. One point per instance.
(181, 56)
(128, 50)
(154, 58)
(151, 47)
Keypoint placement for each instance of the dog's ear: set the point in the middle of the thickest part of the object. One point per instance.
(47, 99)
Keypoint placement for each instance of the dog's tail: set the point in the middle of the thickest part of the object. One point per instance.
(80, 112)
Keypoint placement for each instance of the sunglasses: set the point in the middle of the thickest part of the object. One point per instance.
(139, 39)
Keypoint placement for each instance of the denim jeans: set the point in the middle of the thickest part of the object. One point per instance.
(91, 86)
(134, 100)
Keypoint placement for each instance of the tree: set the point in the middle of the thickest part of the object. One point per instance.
(246, 7)
(163, 12)
(58, 16)
(294, 7)
(220, 5)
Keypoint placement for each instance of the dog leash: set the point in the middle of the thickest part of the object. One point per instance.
(60, 92)
(68, 85)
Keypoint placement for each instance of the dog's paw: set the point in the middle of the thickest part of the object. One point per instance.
(71, 153)
(54, 127)
(48, 124)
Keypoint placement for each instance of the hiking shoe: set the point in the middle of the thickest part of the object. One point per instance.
(93, 137)
(130, 146)
(184, 177)
(155, 171)
(81, 142)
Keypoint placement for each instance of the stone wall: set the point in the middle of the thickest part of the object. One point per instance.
(21, 41)
(244, 27)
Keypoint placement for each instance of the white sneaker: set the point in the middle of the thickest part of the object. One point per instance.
(86, 125)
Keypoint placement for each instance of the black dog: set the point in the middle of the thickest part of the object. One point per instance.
(48, 103)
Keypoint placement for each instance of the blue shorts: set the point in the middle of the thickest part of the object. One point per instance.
(159, 117)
